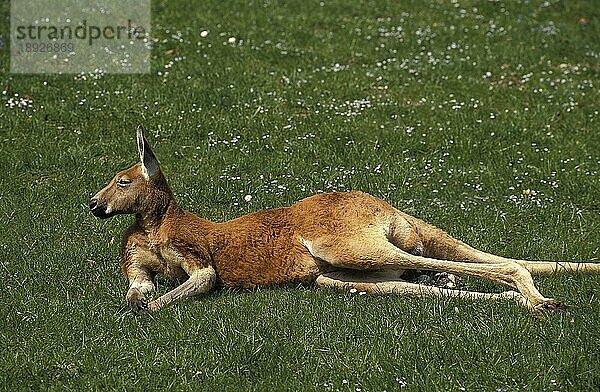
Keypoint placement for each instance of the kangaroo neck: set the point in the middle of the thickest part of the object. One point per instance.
(151, 220)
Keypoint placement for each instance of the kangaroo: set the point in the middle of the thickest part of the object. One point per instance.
(348, 240)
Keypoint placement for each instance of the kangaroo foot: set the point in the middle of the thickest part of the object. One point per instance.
(550, 305)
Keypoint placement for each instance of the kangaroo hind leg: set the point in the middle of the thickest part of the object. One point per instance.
(374, 252)
(378, 283)
(410, 234)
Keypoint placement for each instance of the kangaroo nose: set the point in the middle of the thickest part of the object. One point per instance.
(93, 203)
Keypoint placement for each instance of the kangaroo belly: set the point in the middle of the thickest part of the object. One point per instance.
(261, 249)
(261, 266)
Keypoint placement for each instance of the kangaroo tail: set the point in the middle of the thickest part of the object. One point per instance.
(552, 267)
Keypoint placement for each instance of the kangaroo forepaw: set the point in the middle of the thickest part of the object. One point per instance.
(136, 301)
(154, 306)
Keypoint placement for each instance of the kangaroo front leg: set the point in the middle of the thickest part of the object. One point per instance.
(140, 286)
(200, 281)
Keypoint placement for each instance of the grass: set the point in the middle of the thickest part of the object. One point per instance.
(480, 117)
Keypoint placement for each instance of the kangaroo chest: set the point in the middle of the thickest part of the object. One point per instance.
(166, 260)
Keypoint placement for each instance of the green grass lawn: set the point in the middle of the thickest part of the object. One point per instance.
(479, 117)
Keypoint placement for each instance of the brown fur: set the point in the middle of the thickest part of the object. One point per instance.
(348, 240)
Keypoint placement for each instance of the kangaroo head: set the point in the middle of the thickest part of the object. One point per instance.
(140, 190)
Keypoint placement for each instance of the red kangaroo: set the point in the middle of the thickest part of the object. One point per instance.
(348, 240)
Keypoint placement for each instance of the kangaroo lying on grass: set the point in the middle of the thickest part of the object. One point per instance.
(349, 240)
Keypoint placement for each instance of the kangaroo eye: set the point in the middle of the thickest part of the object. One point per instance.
(123, 182)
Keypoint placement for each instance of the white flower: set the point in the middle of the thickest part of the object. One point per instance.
(231, 40)
(204, 33)
(247, 198)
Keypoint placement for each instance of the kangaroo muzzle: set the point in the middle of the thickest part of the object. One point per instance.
(98, 210)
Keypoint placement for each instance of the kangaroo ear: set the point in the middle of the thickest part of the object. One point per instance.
(150, 164)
